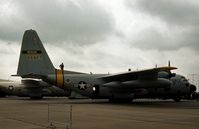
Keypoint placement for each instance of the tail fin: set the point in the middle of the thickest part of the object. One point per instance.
(33, 57)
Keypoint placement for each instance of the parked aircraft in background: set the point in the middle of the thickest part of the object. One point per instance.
(29, 88)
(157, 82)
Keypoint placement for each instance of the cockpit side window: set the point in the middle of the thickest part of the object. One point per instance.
(184, 79)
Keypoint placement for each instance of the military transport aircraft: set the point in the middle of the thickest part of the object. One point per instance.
(156, 82)
(29, 88)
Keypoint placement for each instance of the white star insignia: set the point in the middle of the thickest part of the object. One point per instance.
(11, 88)
(82, 85)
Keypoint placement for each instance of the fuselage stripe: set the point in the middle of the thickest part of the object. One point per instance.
(59, 78)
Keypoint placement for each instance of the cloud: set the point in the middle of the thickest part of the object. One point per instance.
(152, 38)
(9, 53)
(81, 22)
(103, 36)
(174, 24)
(178, 12)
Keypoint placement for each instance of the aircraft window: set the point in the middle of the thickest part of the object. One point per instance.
(94, 89)
(67, 80)
(183, 78)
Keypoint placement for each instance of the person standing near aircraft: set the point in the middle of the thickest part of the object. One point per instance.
(61, 66)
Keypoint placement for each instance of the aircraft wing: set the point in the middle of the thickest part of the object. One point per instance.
(148, 74)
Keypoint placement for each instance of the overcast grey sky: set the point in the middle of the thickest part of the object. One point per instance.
(104, 35)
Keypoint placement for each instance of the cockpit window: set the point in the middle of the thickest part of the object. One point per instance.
(184, 79)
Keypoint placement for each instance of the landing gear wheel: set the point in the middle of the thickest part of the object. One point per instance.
(2, 94)
(36, 97)
(177, 99)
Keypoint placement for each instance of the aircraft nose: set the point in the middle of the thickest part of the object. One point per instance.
(192, 88)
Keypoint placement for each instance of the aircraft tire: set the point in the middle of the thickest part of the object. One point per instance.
(2, 95)
(177, 99)
(36, 97)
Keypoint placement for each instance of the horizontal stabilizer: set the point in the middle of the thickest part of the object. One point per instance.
(31, 75)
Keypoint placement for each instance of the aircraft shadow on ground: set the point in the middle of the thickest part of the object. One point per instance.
(147, 103)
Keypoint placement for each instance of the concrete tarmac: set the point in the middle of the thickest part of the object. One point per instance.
(22, 113)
